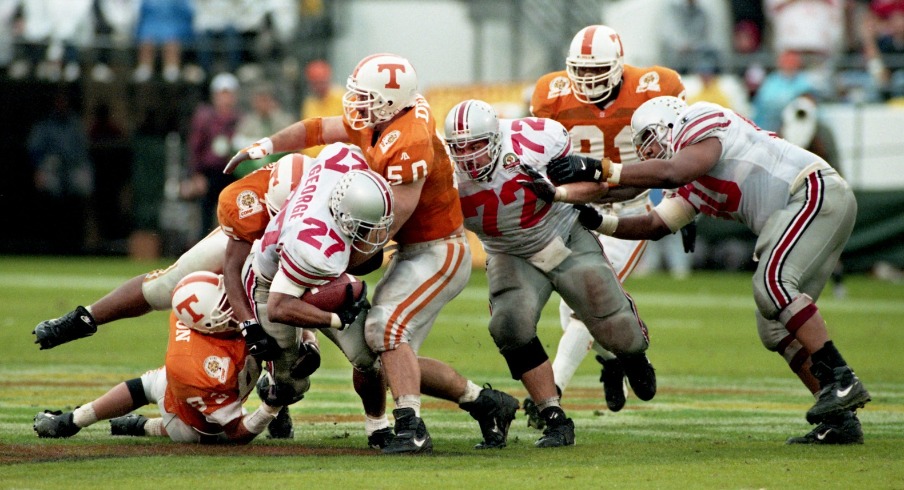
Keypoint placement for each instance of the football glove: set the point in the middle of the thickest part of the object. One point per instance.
(259, 149)
(352, 307)
(260, 345)
(276, 394)
(588, 217)
(689, 236)
(538, 184)
(575, 168)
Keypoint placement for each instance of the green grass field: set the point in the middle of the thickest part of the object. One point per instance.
(723, 411)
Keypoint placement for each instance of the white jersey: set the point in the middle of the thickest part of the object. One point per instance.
(505, 216)
(756, 173)
(303, 240)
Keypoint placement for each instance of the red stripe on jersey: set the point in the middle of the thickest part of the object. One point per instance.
(299, 275)
(681, 139)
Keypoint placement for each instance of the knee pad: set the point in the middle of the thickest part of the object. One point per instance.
(136, 390)
(524, 358)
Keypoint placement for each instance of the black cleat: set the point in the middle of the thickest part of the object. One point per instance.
(641, 375)
(281, 426)
(380, 438)
(838, 429)
(55, 425)
(494, 410)
(128, 425)
(533, 414)
(411, 436)
(76, 324)
(308, 361)
(613, 379)
(559, 429)
(845, 393)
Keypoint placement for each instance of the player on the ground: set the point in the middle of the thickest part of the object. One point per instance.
(200, 389)
(594, 98)
(799, 207)
(534, 248)
(395, 128)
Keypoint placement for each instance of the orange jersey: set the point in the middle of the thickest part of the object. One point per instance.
(605, 132)
(409, 149)
(241, 209)
(202, 376)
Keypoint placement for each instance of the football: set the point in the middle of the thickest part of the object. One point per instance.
(331, 295)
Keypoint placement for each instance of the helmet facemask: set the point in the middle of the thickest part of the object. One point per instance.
(654, 133)
(361, 203)
(473, 138)
(379, 88)
(593, 82)
(653, 122)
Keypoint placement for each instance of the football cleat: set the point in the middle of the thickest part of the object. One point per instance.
(533, 414)
(613, 378)
(76, 324)
(55, 424)
(128, 425)
(494, 410)
(844, 393)
(641, 375)
(308, 361)
(411, 436)
(281, 426)
(559, 429)
(838, 429)
(380, 438)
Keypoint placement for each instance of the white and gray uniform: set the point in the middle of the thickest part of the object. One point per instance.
(802, 211)
(302, 248)
(534, 247)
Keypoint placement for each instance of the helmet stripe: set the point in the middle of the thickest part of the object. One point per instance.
(461, 120)
(587, 43)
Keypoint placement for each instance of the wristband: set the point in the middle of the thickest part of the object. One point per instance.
(335, 322)
(609, 224)
(260, 148)
(256, 422)
(614, 173)
(561, 194)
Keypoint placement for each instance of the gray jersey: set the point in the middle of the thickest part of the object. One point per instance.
(505, 216)
(757, 171)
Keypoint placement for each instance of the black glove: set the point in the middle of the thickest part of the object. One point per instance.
(276, 394)
(260, 345)
(575, 168)
(538, 184)
(689, 236)
(353, 307)
(588, 217)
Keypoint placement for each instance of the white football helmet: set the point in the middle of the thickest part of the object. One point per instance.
(470, 122)
(653, 121)
(362, 205)
(378, 89)
(284, 178)
(199, 302)
(595, 63)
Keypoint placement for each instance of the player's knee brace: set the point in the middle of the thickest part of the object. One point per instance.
(524, 358)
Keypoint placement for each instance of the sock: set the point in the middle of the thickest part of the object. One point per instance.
(410, 401)
(573, 347)
(549, 402)
(373, 424)
(829, 356)
(154, 427)
(84, 415)
(472, 391)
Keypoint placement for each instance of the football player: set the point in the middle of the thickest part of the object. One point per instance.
(393, 125)
(533, 248)
(594, 98)
(200, 389)
(799, 207)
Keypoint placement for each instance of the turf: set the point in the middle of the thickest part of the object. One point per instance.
(723, 411)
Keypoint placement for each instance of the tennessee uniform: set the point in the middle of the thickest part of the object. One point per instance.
(432, 264)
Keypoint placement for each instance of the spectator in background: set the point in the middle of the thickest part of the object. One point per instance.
(53, 31)
(266, 117)
(115, 22)
(166, 23)
(882, 37)
(217, 35)
(684, 34)
(210, 145)
(724, 89)
(779, 88)
(63, 177)
(323, 98)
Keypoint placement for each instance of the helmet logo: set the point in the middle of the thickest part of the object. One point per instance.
(185, 306)
(392, 68)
